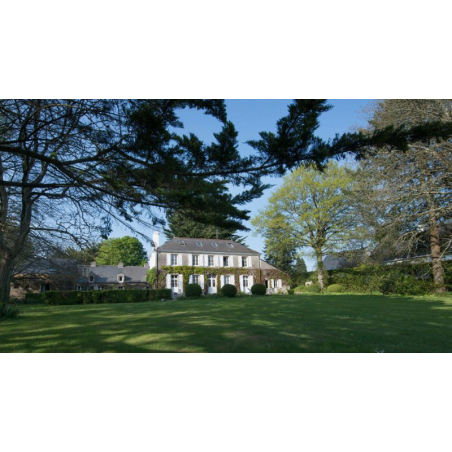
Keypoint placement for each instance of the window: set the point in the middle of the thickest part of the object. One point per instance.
(230, 245)
(120, 287)
(195, 279)
(120, 278)
(226, 279)
(195, 259)
(182, 242)
(244, 261)
(245, 280)
(215, 244)
(91, 279)
(199, 243)
(210, 261)
(79, 288)
(173, 259)
(211, 281)
(174, 281)
(225, 261)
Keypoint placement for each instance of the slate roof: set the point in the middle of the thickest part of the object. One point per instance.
(109, 274)
(174, 246)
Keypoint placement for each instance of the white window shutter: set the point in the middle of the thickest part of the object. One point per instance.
(168, 259)
(250, 281)
(232, 280)
(206, 260)
(168, 281)
(249, 261)
(201, 281)
(241, 283)
(220, 264)
(190, 279)
(180, 281)
(190, 259)
(200, 260)
(179, 259)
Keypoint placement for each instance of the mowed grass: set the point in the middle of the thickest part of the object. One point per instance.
(303, 323)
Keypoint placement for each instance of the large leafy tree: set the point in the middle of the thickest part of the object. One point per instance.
(311, 209)
(179, 224)
(128, 250)
(69, 168)
(405, 198)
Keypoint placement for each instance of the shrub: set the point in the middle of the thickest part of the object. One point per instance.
(10, 311)
(291, 291)
(314, 288)
(34, 298)
(193, 291)
(335, 288)
(258, 289)
(229, 290)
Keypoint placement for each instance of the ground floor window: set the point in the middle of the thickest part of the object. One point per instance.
(174, 281)
(245, 281)
(195, 279)
(45, 288)
(211, 280)
(227, 278)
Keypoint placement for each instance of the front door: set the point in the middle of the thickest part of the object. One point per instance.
(212, 284)
(175, 284)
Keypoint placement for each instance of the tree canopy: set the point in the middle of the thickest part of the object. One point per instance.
(179, 224)
(128, 250)
(310, 210)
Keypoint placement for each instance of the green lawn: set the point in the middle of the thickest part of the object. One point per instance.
(304, 323)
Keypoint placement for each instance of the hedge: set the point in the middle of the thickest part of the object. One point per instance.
(335, 288)
(72, 297)
(372, 278)
(35, 298)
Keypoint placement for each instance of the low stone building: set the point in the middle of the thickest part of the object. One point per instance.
(107, 277)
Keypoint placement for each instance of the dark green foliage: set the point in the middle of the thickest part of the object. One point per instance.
(179, 224)
(10, 311)
(258, 289)
(193, 291)
(229, 290)
(35, 298)
(335, 288)
(72, 297)
(290, 291)
(405, 285)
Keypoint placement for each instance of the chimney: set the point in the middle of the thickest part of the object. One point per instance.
(146, 265)
(156, 239)
(121, 265)
(93, 264)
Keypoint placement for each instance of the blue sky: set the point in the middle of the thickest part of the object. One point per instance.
(253, 116)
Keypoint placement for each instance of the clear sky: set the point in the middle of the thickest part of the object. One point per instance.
(253, 116)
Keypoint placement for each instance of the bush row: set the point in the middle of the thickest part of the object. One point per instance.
(106, 296)
(402, 279)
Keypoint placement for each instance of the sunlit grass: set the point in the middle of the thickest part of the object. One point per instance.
(304, 323)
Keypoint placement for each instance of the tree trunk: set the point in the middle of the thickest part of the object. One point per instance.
(6, 273)
(435, 246)
(319, 255)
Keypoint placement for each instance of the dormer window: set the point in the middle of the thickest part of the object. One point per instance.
(199, 243)
(182, 242)
(91, 279)
(120, 278)
(230, 245)
(215, 244)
